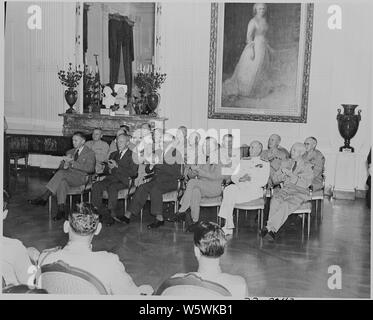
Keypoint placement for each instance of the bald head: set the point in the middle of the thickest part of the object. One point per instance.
(310, 143)
(297, 150)
(255, 148)
(274, 141)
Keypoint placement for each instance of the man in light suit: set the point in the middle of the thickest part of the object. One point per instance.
(275, 154)
(121, 167)
(296, 176)
(317, 159)
(78, 163)
(249, 177)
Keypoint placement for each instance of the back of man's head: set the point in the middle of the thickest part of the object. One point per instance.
(210, 239)
(85, 220)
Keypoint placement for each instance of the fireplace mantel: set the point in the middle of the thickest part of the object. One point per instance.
(109, 124)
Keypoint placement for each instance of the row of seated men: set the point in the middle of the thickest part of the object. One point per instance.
(82, 225)
(295, 172)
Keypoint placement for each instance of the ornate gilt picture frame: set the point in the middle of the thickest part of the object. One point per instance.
(259, 65)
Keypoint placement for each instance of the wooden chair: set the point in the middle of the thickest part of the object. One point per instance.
(60, 278)
(73, 191)
(192, 285)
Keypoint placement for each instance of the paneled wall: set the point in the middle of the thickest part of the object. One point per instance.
(341, 72)
(33, 93)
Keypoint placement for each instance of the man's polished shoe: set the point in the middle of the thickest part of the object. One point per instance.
(60, 215)
(155, 224)
(110, 222)
(192, 227)
(38, 202)
(177, 217)
(122, 219)
(263, 232)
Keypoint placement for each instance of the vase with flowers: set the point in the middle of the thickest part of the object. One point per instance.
(149, 81)
(70, 79)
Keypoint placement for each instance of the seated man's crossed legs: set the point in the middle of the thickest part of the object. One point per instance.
(196, 190)
(112, 187)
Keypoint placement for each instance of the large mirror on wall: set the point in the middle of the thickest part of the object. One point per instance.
(118, 42)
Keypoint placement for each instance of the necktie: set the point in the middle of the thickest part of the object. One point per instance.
(76, 155)
(295, 166)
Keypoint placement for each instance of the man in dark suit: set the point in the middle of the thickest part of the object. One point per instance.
(165, 179)
(78, 163)
(121, 167)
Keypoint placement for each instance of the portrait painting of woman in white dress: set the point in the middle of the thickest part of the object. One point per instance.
(251, 76)
(262, 58)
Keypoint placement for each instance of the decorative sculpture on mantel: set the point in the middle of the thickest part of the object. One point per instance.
(348, 123)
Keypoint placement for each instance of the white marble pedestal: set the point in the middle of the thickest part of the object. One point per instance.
(344, 181)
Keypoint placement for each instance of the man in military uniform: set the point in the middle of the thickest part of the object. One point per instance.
(249, 177)
(296, 176)
(317, 159)
(275, 154)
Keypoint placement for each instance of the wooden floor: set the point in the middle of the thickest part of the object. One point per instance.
(287, 268)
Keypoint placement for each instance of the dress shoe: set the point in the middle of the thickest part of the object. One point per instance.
(110, 222)
(271, 236)
(122, 219)
(192, 227)
(227, 231)
(263, 232)
(177, 217)
(60, 215)
(155, 224)
(38, 202)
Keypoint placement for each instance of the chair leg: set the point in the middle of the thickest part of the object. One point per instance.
(81, 198)
(303, 223)
(217, 214)
(89, 196)
(71, 201)
(308, 226)
(141, 216)
(50, 207)
(237, 215)
(261, 218)
(321, 210)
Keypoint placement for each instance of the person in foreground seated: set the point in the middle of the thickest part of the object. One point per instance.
(248, 179)
(82, 226)
(100, 148)
(296, 176)
(205, 182)
(16, 259)
(121, 167)
(209, 246)
(275, 154)
(165, 179)
(317, 159)
(78, 163)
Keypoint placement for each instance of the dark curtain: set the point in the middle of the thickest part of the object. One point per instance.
(121, 39)
(85, 28)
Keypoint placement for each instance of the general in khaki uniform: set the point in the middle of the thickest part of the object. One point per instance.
(275, 156)
(244, 191)
(294, 192)
(317, 159)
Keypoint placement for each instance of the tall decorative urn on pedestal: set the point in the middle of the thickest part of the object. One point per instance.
(348, 123)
